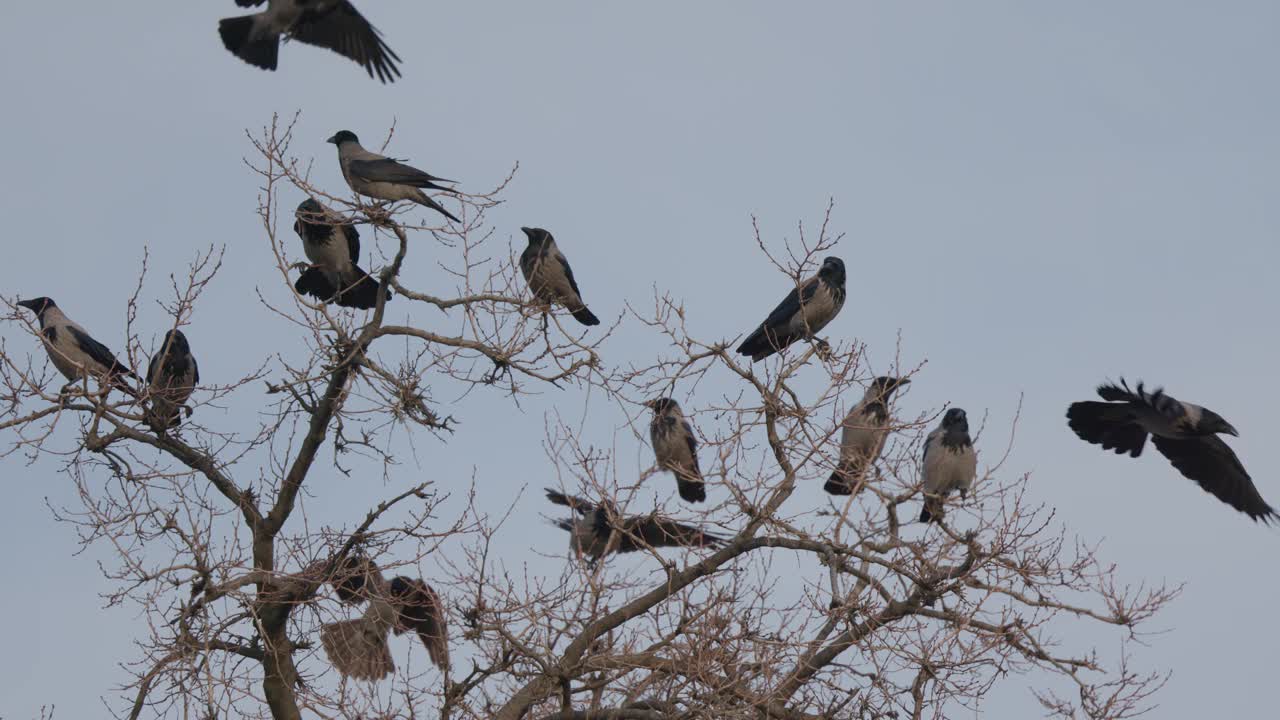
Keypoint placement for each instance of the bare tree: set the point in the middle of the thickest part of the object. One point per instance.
(850, 609)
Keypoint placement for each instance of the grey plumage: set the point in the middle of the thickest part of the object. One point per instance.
(676, 448)
(333, 247)
(550, 277)
(332, 24)
(383, 178)
(1185, 433)
(172, 375)
(862, 436)
(598, 526)
(358, 648)
(73, 352)
(803, 313)
(950, 463)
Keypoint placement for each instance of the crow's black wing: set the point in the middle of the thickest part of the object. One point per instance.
(391, 171)
(418, 609)
(580, 505)
(342, 29)
(95, 350)
(650, 531)
(1214, 466)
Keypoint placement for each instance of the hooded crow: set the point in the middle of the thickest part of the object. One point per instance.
(801, 314)
(358, 648)
(172, 375)
(862, 436)
(550, 277)
(949, 463)
(676, 448)
(74, 353)
(600, 525)
(333, 247)
(1187, 434)
(332, 24)
(383, 178)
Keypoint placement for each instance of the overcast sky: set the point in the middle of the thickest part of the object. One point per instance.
(1036, 197)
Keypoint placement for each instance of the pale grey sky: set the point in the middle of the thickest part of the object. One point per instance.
(1036, 197)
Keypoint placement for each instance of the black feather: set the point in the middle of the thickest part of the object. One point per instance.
(237, 36)
(585, 316)
(350, 578)
(1110, 425)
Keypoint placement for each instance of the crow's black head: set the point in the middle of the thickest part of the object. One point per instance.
(537, 236)
(1212, 422)
(662, 406)
(343, 136)
(310, 224)
(38, 305)
(887, 384)
(832, 271)
(176, 342)
(955, 420)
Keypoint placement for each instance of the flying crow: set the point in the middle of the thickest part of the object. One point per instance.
(1186, 434)
(949, 463)
(383, 178)
(600, 525)
(73, 352)
(862, 436)
(333, 247)
(550, 277)
(332, 24)
(802, 314)
(676, 448)
(358, 648)
(172, 376)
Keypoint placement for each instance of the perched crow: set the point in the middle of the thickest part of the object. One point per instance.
(172, 376)
(862, 436)
(675, 448)
(333, 247)
(600, 524)
(949, 463)
(358, 648)
(382, 178)
(332, 24)
(550, 277)
(802, 314)
(73, 352)
(1186, 434)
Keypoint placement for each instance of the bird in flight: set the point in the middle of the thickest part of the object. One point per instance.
(358, 647)
(1184, 433)
(332, 24)
(598, 529)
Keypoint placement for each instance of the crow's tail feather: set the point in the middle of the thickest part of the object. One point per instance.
(691, 490)
(585, 316)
